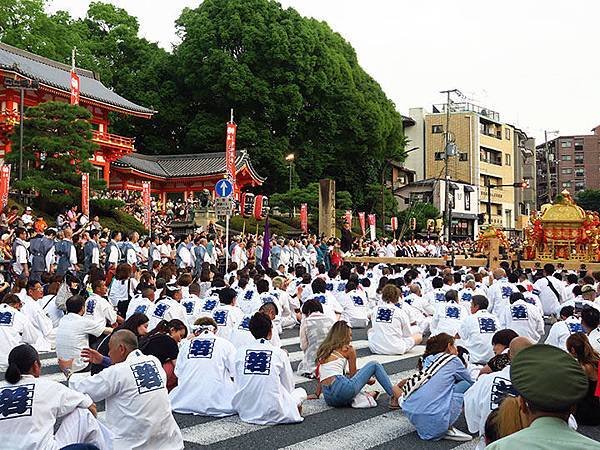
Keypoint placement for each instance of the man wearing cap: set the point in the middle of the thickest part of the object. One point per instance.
(27, 217)
(550, 382)
(586, 299)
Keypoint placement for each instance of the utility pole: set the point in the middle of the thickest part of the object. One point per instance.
(548, 179)
(447, 142)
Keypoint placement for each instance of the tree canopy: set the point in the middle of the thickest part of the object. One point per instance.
(296, 86)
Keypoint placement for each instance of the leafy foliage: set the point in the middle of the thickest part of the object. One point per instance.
(310, 195)
(589, 199)
(421, 212)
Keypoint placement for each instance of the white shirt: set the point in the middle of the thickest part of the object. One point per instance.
(15, 329)
(435, 295)
(227, 317)
(138, 411)
(448, 317)
(99, 309)
(192, 304)
(264, 383)
(185, 256)
(331, 307)
(550, 302)
(476, 334)
(49, 306)
(485, 396)
(20, 256)
(36, 315)
(561, 330)
(166, 309)
(138, 304)
(499, 296)
(523, 318)
(33, 428)
(594, 338)
(420, 303)
(249, 301)
(355, 305)
(121, 290)
(72, 336)
(241, 336)
(390, 333)
(207, 305)
(211, 359)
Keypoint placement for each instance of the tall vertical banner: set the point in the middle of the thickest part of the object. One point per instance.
(372, 226)
(304, 218)
(4, 184)
(230, 152)
(74, 88)
(361, 219)
(348, 217)
(85, 194)
(394, 223)
(146, 199)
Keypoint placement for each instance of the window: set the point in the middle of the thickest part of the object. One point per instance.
(579, 145)
(566, 184)
(507, 159)
(439, 156)
(579, 186)
(507, 134)
(566, 171)
(437, 129)
(508, 217)
(580, 173)
(463, 156)
(566, 157)
(499, 210)
(565, 144)
(578, 158)
(467, 201)
(491, 156)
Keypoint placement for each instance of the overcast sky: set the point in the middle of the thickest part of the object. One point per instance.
(531, 61)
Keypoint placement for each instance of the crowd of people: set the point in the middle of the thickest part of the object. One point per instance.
(136, 322)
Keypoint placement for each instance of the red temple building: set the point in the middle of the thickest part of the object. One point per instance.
(115, 160)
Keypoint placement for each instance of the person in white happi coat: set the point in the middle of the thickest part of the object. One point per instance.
(477, 330)
(248, 300)
(32, 308)
(416, 300)
(272, 312)
(550, 290)
(391, 333)
(32, 405)
(97, 307)
(586, 296)
(138, 411)
(522, 317)
(590, 321)
(15, 328)
(288, 315)
(212, 359)
(565, 327)
(241, 335)
(499, 293)
(265, 393)
(437, 293)
(141, 303)
(449, 315)
(192, 304)
(227, 315)
(490, 389)
(168, 307)
(331, 307)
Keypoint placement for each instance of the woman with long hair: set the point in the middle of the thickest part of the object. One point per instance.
(122, 288)
(588, 409)
(433, 397)
(32, 406)
(341, 386)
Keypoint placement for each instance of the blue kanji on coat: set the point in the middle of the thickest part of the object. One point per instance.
(452, 312)
(201, 348)
(268, 299)
(329, 286)
(6, 319)
(16, 401)
(506, 291)
(440, 297)
(487, 325)
(146, 377)
(466, 296)
(160, 310)
(321, 299)
(257, 362)
(245, 324)
(220, 317)
(501, 388)
(358, 300)
(530, 300)
(341, 287)
(141, 309)
(210, 305)
(90, 306)
(575, 327)
(384, 315)
(519, 312)
(189, 307)
(248, 295)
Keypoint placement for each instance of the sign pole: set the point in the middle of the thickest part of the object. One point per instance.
(226, 243)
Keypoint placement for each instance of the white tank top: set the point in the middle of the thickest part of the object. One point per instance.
(332, 368)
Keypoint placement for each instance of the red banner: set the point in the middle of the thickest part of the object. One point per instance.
(85, 194)
(361, 219)
(258, 207)
(394, 223)
(372, 226)
(146, 199)
(230, 155)
(304, 217)
(4, 184)
(74, 88)
(348, 218)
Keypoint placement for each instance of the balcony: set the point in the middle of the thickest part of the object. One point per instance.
(114, 141)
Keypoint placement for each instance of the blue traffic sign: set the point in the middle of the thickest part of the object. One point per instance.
(223, 188)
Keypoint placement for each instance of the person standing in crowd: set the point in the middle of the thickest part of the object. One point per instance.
(66, 256)
(91, 251)
(20, 253)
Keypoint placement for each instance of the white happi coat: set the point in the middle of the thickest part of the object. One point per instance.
(30, 409)
(211, 359)
(331, 307)
(38, 318)
(476, 333)
(561, 330)
(15, 329)
(227, 317)
(248, 301)
(192, 304)
(166, 309)
(139, 304)
(524, 318)
(390, 333)
(265, 384)
(99, 309)
(138, 411)
(447, 318)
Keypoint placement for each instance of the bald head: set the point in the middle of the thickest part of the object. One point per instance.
(518, 344)
(499, 273)
(121, 344)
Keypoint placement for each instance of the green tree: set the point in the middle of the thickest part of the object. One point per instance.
(57, 147)
(287, 201)
(420, 211)
(589, 199)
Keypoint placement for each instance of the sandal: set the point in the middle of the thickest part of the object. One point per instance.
(374, 394)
